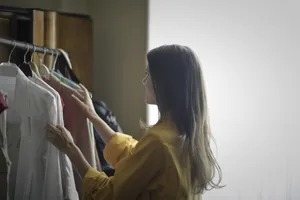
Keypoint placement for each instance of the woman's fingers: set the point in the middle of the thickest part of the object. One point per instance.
(51, 134)
(59, 137)
(79, 94)
(82, 87)
(78, 101)
(86, 93)
(60, 127)
(50, 128)
(51, 137)
(51, 131)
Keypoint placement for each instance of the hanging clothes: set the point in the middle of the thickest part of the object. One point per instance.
(105, 114)
(4, 159)
(65, 63)
(76, 124)
(63, 71)
(35, 164)
(73, 85)
(66, 170)
(65, 66)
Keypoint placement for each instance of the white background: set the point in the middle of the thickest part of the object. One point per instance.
(250, 55)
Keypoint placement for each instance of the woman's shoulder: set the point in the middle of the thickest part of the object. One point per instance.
(162, 133)
(164, 129)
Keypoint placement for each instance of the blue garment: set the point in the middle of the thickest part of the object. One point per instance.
(67, 81)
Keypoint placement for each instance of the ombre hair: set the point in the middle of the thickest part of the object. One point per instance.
(180, 94)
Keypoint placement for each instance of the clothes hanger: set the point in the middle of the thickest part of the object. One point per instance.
(52, 68)
(43, 69)
(33, 66)
(52, 61)
(9, 57)
(65, 66)
(66, 57)
(7, 68)
(25, 66)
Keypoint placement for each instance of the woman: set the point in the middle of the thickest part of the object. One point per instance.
(173, 160)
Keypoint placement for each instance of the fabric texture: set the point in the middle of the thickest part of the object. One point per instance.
(35, 164)
(110, 119)
(105, 114)
(144, 170)
(66, 170)
(66, 88)
(3, 103)
(5, 162)
(63, 71)
(90, 129)
(76, 124)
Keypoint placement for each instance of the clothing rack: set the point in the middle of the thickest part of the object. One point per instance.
(29, 47)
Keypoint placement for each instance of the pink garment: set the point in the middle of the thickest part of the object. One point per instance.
(62, 102)
(3, 104)
(75, 122)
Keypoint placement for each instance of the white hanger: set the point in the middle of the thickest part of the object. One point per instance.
(52, 67)
(66, 56)
(7, 68)
(24, 61)
(33, 65)
(43, 69)
(31, 58)
(51, 61)
(9, 57)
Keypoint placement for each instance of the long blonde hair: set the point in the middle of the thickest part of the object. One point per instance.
(180, 93)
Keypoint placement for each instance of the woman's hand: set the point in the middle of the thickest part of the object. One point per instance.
(60, 137)
(82, 98)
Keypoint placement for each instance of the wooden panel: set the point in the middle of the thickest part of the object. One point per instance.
(50, 35)
(38, 31)
(75, 36)
(4, 32)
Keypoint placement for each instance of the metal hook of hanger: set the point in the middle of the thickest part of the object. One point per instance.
(9, 57)
(31, 58)
(26, 53)
(57, 52)
(51, 63)
(42, 60)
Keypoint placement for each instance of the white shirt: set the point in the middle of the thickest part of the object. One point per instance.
(35, 162)
(68, 182)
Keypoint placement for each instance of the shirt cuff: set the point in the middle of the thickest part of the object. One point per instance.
(116, 146)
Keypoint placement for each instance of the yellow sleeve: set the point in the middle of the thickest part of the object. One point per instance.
(132, 176)
(119, 147)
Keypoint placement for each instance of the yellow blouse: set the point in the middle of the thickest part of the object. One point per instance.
(144, 170)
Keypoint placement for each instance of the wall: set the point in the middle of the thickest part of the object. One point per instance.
(120, 36)
(249, 52)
